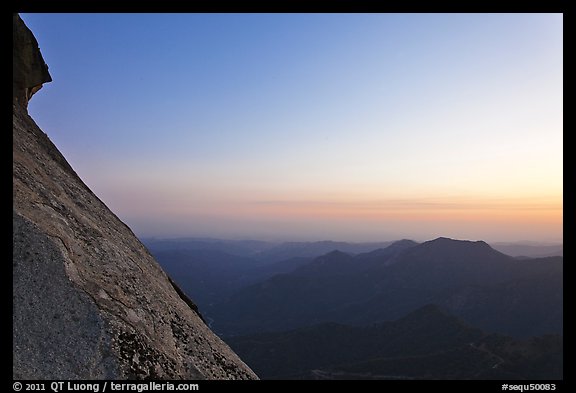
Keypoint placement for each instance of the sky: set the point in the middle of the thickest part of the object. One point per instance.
(357, 127)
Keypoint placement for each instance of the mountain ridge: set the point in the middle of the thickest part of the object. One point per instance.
(469, 278)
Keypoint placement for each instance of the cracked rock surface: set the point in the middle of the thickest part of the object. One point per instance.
(89, 301)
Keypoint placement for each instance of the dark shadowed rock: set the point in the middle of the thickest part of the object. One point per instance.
(90, 301)
(29, 71)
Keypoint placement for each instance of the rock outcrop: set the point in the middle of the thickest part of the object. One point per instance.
(29, 71)
(89, 301)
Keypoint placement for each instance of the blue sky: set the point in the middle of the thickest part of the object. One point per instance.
(312, 126)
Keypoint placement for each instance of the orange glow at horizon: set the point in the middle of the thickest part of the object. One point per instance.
(411, 211)
(518, 210)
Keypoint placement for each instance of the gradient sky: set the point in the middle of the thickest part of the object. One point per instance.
(353, 127)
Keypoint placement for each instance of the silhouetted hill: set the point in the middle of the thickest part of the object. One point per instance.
(470, 279)
(263, 251)
(209, 270)
(289, 250)
(426, 344)
(210, 276)
(390, 251)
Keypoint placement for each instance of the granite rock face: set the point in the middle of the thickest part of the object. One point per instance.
(29, 71)
(89, 301)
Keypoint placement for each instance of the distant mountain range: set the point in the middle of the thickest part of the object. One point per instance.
(267, 251)
(322, 310)
(263, 251)
(252, 286)
(486, 288)
(210, 270)
(426, 344)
